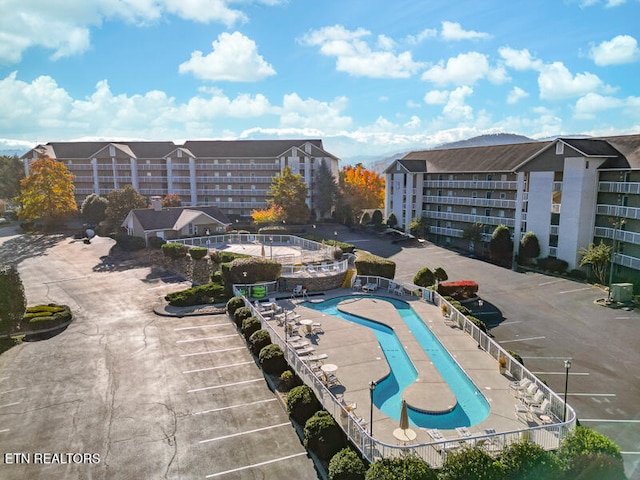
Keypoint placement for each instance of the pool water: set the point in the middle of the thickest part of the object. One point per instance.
(472, 406)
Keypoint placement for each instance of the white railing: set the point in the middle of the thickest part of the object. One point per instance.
(619, 187)
(471, 184)
(547, 436)
(621, 235)
(557, 186)
(463, 217)
(449, 232)
(618, 211)
(470, 201)
(555, 207)
(626, 260)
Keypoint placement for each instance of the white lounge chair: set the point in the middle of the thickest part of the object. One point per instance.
(543, 409)
(324, 268)
(311, 269)
(391, 287)
(370, 287)
(315, 358)
(435, 434)
(305, 351)
(522, 411)
(357, 285)
(536, 399)
(463, 431)
(298, 290)
(530, 390)
(519, 386)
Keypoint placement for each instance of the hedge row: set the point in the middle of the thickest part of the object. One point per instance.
(460, 289)
(200, 295)
(41, 314)
(373, 265)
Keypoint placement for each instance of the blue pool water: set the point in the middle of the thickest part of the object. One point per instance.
(472, 406)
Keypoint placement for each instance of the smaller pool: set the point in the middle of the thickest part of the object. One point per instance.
(471, 408)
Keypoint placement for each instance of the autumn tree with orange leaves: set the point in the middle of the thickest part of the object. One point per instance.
(273, 214)
(360, 189)
(47, 192)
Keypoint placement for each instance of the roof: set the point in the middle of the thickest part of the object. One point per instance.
(629, 148)
(247, 148)
(591, 147)
(174, 218)
(495, 158)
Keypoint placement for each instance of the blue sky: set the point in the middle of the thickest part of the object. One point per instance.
(367, 77)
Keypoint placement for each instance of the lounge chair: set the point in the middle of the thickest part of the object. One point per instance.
(519, 386)
(370, 287)
(298, 290)
(536, 399)
(522, 411)
(299, 344)
(392, 286)
(435, 434)
(357, 285)
(530, 390)
(305, 351)
(399, 290)
(543, 409)
(463, 431)
(316, 327)
(311, 269)
(324, 268)
(315, 358)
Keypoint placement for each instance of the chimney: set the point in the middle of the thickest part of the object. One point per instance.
(156, 203)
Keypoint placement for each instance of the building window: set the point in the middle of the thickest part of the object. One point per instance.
(216, 174)
(586, 165)
(487, 212)
(503, 195)
(475, 178)
(439, 193)
(228, 174)
(489, 177)
(559, 148)
(474, 194)
(449, 208)
(229, 199)
(452, 177)
(229, 187)
(488, 195)
(449, 193)
(501, 213)
(474, 211)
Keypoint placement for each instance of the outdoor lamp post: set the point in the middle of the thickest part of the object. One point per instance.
(335, 240)
(567, 367)
(271, 248)
(372, 387)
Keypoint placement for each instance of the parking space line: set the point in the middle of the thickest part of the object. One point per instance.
(591, 395)
(576, 290)
(550, 283)
(280, 459)
(202, 389)
(522, 339)
(545, 358)
(206, 338)
(562, 373)
(14, 390)
(216, 368)
(4, 430)
(255, 430)
(210, 325)
(503, 323)
(213, 351)
(213, 410)
(10, 404)
(609, 420)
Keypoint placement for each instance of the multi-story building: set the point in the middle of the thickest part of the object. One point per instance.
(569, 192)
(232, 175)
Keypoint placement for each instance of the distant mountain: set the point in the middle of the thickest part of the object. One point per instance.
(381, 164)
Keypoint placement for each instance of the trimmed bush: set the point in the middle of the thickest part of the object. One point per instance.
(250, 326)
(323, 435)
(258, 340)
(44, 316)
(174, 250)
(240, 314)
(528, 461)
(289, 380)
(586, 442)
(459, 290)
(478, 323)
(257, 270)
(516, 357)
(424, 278)
(403, 468)
(272, 359)
(302, 403)
(233, 304)
(373, 265)
(578, 274)
(201, 295)
(129, 243)
(156, 242)
(468, 463)
(554, 265)
(198, 253)
(346, 465)
(440, 274)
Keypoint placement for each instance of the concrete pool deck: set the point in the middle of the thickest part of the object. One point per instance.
(360, 360)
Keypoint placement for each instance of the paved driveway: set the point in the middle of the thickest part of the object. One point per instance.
(547, 320)
(151, 397)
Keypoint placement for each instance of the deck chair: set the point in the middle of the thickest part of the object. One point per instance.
(311, 269)
(530, 390)
(435, 434)
(357, 285)
(298, 289)
(391, 287)
(316, 327)
(536, 399)
(543, 409)
(519, 386)
(305, 351)
(315, 358)
(463, 431)
(324, 268)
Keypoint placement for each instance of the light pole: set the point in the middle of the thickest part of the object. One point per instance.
(616, 225)
(372, 387)
(335, 241)
(271, 248)
(567, 367)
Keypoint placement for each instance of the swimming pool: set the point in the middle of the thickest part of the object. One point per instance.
(471, 408)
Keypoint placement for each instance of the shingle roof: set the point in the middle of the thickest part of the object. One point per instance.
(245, 148)
(496, 158)
(591, 147)
(166, 218)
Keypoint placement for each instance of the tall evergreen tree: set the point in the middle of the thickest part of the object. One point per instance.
(11, 172)
(94, 208)
(325, 190)
(12, 300)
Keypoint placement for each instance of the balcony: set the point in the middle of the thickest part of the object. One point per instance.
(618, 211)
(238, 166)
(626, 261)
(153, 191)
(152, 166)
(462, 217)
(619, 187)
(449, 232)
(621, 235)
(74, 167)
(471, 184)
(224, 191)
(471, 201)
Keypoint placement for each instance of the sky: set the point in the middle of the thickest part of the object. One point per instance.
(369, 78)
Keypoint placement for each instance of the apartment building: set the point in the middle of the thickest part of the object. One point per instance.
(569, 192)
(232, 175)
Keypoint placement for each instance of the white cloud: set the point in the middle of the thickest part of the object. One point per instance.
(519, 59)
(465, 69)
(607, 3)
(515, 95)
(436, 97)
(453, 31)
(355, 57)
(414, 123)
(422, 36)
(556, 82)
(234, 58)
(593, 104)
(311, 113)
(456, 109)
(620, 49)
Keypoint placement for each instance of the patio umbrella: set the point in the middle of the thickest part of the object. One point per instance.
(404, 416)
(262, 251)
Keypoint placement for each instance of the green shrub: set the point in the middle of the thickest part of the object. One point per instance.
(440, 274)
(528, 461)
(272, 359)
(44, 316)
(323, 436)
(403, 468)
(424, 278)
(216, 277)
(250, 326)
(257, 270)
(233, 304)
(225, 257)
(584, 441)
(302, 403)
(289, 380)
(240, 314)
(554, 265)
(368, 264)
(258, 340)
(346, 465)
(516, 357)
(174, 250)
(471, 463)
(198, 253)
(596, 466)
(478, 323)
(156, 242)
(129, 243)
(578, 274)
(201, 295)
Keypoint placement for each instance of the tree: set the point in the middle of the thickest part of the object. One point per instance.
(598, 257)
(471, 463)
(346, 465)
(501, 245)
(94, 208)
(585, 453)
(289, 192)
(440, 274)
(424, 278)
(360, 188)
(419, 226)
(528, 461)
(171, 200)
(392, 221)
(12, 301)
(11, 172)
(121, 202)
(529, 246)
(325, 190)
(47, 193)
(273, 214)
